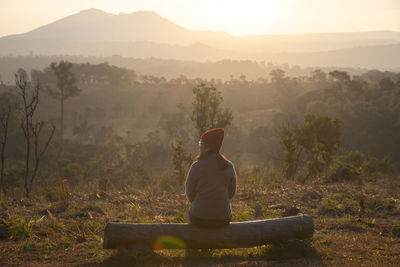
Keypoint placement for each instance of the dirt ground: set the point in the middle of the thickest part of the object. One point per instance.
(356, 224)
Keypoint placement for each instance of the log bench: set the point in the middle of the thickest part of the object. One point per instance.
(188, 236)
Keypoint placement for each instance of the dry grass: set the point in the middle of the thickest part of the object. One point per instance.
(357, 224)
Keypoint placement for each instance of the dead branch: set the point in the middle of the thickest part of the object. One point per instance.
(4, 120)
(32, 130)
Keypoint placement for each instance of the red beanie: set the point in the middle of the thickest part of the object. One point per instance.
(213, 138)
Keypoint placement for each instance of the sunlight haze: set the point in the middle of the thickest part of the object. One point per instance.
(200, 132)
(232, 16)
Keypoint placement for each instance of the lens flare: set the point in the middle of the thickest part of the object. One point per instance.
(171, 242)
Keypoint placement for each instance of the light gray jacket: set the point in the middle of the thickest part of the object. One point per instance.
(210, 189)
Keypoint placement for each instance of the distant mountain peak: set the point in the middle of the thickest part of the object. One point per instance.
(149, 15)
(92, 11)
(145, 12)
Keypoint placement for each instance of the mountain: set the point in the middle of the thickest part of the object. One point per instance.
(94, 25)
(146, 34)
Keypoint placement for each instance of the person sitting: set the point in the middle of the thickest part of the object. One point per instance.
(211, 183)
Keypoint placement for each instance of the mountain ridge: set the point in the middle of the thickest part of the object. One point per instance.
(97, 25)
(144, 34)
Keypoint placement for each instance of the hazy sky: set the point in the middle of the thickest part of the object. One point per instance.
(232, 16)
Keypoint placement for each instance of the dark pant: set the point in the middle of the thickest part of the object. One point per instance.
(208, 223)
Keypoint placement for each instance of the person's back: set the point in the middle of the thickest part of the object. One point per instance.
(209, 189)
(210, 184)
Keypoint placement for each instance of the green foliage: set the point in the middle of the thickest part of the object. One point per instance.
(19, 228)
(320, 138)
(110, 122)
(354, 164)
(291, 149)
(180, 159)
(207, 111)
(315, 143)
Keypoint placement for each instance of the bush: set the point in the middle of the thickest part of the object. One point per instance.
(355, 164)
(19, 229)
(342, 171)
(373, 166)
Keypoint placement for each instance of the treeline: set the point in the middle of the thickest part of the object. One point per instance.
(168, 68)
(123, 127)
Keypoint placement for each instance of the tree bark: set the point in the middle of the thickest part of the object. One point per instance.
(188, 236)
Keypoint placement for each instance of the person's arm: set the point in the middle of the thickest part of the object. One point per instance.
(191, 184)
(232, 185)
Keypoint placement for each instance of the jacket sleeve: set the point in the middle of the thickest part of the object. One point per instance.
(232, 185)
(191, 184)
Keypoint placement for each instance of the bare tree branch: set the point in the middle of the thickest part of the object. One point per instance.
(4, 119)
(32, 129)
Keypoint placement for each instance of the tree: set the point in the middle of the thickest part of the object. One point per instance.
(339, 76)
(318, 76)
(315, 143)
(180, 159)
(320, 138)
(207, 111)
(32, 129)
(277, 76)
(67, 87)
(291, 149)
(386, 84)
(4, 122)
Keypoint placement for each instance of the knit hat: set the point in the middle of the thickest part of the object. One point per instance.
(213, 138)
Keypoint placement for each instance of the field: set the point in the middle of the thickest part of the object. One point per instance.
(356, 224)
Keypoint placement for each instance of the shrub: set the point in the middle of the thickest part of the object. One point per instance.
(355, 164)
(19, 229)
(373, 166)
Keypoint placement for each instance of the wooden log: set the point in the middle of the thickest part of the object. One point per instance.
(188, 236)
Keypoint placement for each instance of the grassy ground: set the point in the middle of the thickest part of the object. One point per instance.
(356, 224)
